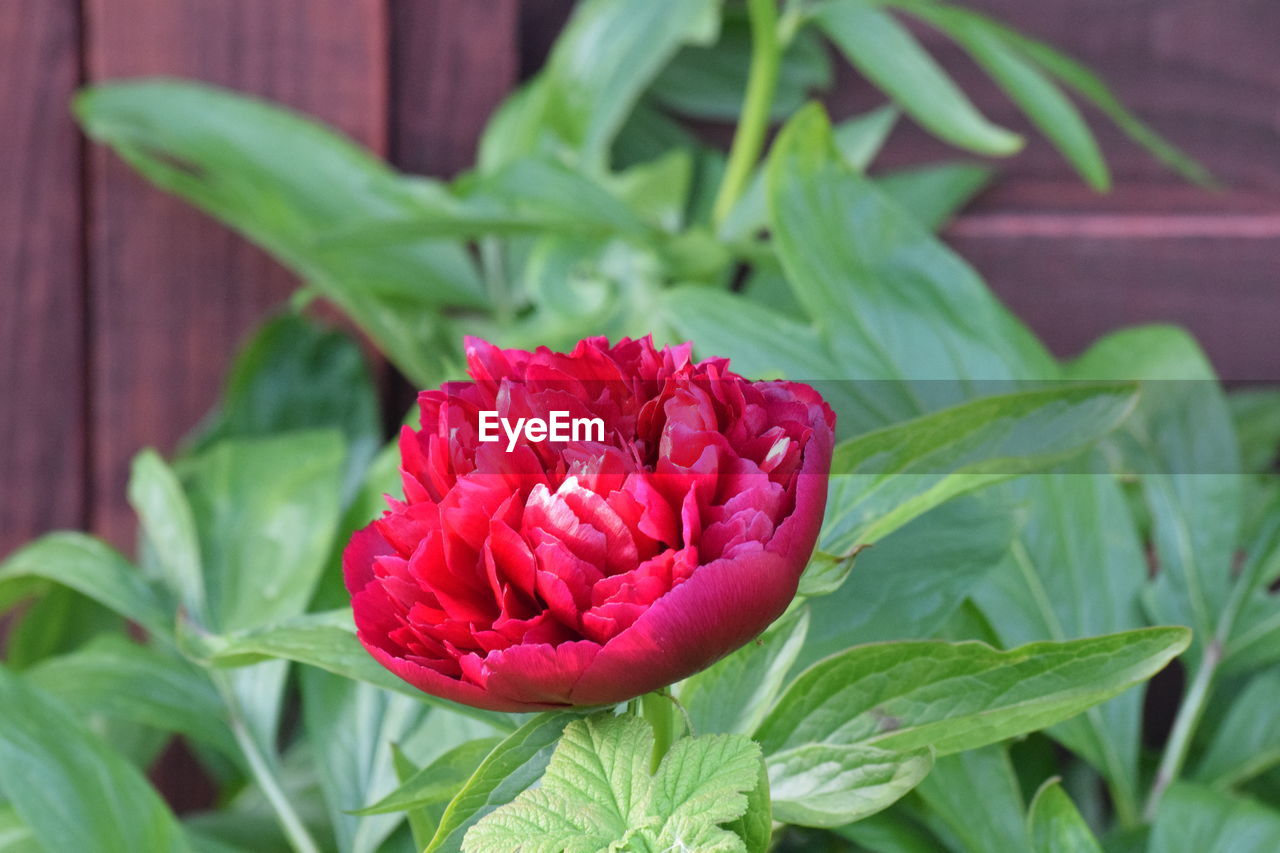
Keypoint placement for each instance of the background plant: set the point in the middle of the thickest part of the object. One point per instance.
(592, 210)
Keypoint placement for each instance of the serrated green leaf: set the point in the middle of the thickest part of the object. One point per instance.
(888, 55)
(1056, 825)
(830, 785)
(1194, 819)
(957, 696)
(755, 827)
(90, 567)
(69, 788)
(597, 793)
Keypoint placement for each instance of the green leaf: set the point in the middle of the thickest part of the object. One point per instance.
(1184, 445)
(717, 322)
(735, 694)
(597, 793)
(882, 480)
(910, 582)
(117, 678)
(890, 832)
(422, 821)
(710, 81)
(1026, 85)
(1257, 418)
(512, 766)
(755, 827)
(286, 182)
(1055, 823)
(267, 509)
(935, 193)
(438, 782)
(170, 529)
(69, 788)
(59, 621)
(891, 58)
(296, 375)
(892, 302)
(860, 139)
(89, 567)
(1059, 585)
(976, 782)
(830, 785)
(1093, 89)
(15, 837)
(957, 696)
(350, 728)
(609, 53)
(1193, 819)
(1247, 741)
(323, 640)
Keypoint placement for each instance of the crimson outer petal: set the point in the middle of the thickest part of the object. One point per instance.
(723, 606)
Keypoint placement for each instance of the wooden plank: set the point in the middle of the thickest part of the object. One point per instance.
(453, 61)
(172, 292)
(42, 461)
(1099, 274)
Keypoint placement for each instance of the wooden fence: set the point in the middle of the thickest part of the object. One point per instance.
(119, 306)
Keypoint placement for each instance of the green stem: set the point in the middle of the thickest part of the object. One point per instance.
(264, 774)
(762, 81)
(1192, 707)
(659, 709)
(1184, 726)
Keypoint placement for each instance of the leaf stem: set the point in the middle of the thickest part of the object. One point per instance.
(263, 773)
(762, 81)
(659, 709)
(1184, 726)
(1192, 707)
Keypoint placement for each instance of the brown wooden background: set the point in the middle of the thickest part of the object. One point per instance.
(119, 306)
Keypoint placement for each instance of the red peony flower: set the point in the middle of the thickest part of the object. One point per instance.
(588, 572)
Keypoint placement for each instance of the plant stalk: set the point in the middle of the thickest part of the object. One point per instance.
(265, 776)
(659, 710)
(762, 82)
(1184, 726)
(1193, 704)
